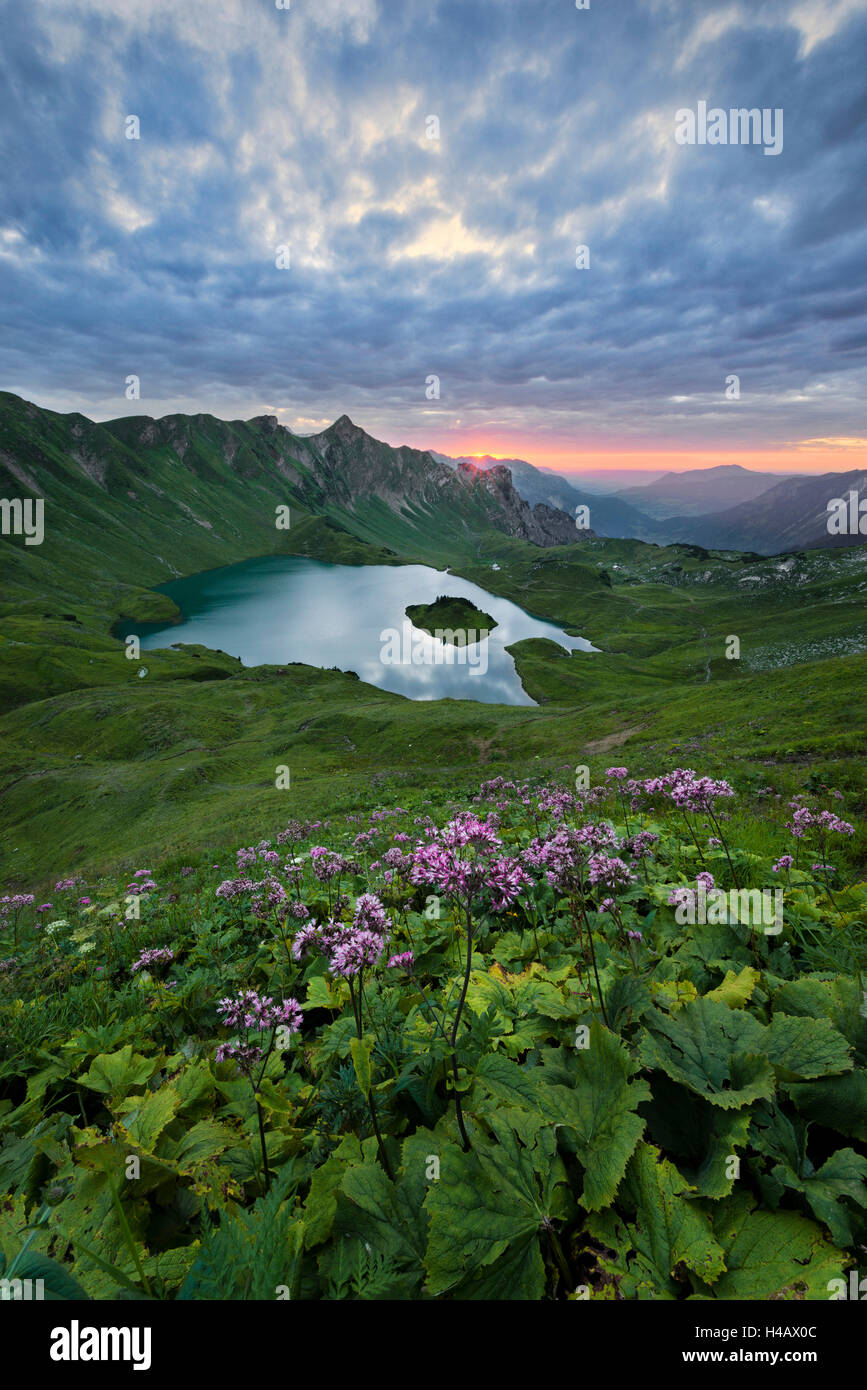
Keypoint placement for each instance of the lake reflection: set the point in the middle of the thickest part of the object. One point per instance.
(286, 608)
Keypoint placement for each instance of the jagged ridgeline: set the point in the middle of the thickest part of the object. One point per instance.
(139, 500)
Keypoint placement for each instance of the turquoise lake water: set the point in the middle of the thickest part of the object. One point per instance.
(285, 608)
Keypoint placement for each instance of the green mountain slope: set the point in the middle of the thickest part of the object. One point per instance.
(98, 764)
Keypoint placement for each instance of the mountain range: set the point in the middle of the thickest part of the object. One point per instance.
(792, 515)
(202, 488)
(727, 507)
(699, 490)
(609, 515)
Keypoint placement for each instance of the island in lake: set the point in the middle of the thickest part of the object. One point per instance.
(451, 619)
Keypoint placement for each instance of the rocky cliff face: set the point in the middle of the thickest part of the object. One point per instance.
(341, 472)
(350, 464)
(541, 524)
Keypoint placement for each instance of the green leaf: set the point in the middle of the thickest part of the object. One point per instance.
(768, 1252)
(701, 1138)
(842, 1175)
(670, 1234)
(736, 989)
(599, 1112)
(838, 1102)
(58, 1283)
(204, 1141)
(486, 1212)
(800, 1048)
(389, 1216)
(146, 1122)
(713, 1050)
(116, 1073)
(171, 1267)
(195, 1086)
(274, 1100)
(319, 994)
(508, 1082)
(626, 1001)
(361, 1049)
(839, 1000)
(320, 1207)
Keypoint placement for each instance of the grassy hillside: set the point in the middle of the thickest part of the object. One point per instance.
(98, 762)
(534, 1012)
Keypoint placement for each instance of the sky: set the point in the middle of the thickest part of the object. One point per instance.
(374, 207)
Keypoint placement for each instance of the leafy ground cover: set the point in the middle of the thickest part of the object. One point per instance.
(537, 1041)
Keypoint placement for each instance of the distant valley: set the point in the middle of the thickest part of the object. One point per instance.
(727, 507)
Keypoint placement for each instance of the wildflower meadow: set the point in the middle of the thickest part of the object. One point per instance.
(484, 1048)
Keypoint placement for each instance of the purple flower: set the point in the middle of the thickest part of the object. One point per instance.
(360, 949)
(829, 821)
(152, 957)
(234, 887)
(328, 864)
(403, 961)
(681, 897)
(785, 861)
(639, 846)
(258, 1013)
(464, 859)
(268, 895)
(16, 902)
(611, 873)
(370, 914)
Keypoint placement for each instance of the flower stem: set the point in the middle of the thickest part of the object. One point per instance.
(459, 1114)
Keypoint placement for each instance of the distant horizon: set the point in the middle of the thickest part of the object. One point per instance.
(590, 462)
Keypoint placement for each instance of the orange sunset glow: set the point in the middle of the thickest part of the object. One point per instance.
(805, 456)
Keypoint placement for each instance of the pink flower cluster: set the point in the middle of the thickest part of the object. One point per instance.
(463, 861)
(328, 864)
(152, 957)
(254, 1013)
(15, 903)
(351, 947)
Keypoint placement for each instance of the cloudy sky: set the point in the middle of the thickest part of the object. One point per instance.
(424, 172)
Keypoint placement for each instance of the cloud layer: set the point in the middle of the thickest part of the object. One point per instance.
(411, 257)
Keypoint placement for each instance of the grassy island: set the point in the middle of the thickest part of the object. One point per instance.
(448, 614)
